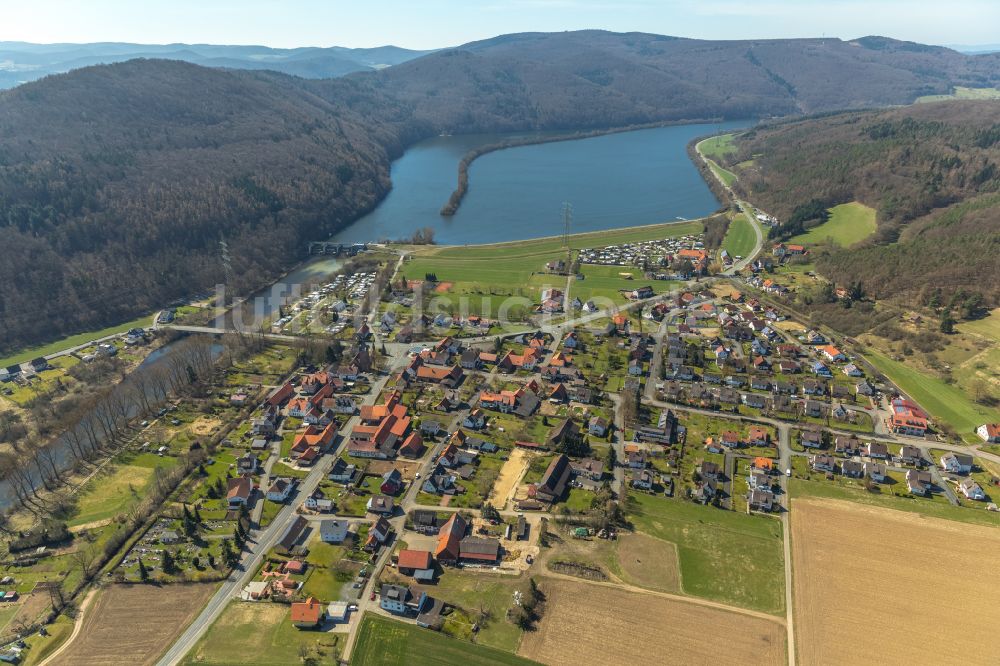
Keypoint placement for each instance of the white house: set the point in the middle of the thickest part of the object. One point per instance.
(280, 490)
(333, 531)
(989, 432)
(956, 463)
(971, 490)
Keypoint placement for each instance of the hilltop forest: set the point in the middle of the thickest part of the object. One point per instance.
(118, 182)
(932, 172)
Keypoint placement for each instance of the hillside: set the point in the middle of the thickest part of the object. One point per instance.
(931, 172)
(117, 182)
(21, 62)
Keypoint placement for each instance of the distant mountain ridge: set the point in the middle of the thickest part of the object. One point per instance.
(117, 182)
(21, 62)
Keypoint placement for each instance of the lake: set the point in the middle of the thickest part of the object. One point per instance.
(615, 180)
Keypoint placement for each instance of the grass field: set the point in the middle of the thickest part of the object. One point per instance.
(936, 578)
(584, 623)
(963, 93)
(606, 281)
(724, 556)
(385, 642)
(938, 507)
(717, 147)
(113, 490)
(740, 239)
(849, 223)
(73, 341)
(649, 562)
(261, 633)
(943, 401)
(987, 327)
(725, 175)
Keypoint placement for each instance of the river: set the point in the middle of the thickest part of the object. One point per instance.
(615, 180)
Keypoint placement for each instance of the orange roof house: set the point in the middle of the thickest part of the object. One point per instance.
(307, 614)
(760, 462)
(414, 560)
(449, 539)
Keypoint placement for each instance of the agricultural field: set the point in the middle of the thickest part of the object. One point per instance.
(261, 633)
(724, 556)
(918, 572)
(134, 623)
(385, 642)
(577, 627)
(740, 240)
(849, 223)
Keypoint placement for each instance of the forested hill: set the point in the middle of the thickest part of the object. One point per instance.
(117, 182)
(595, 78)
(932, 171)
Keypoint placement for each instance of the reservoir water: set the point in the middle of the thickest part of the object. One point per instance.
(615, 180)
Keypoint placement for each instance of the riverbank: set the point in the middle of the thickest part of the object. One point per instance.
(455, 200)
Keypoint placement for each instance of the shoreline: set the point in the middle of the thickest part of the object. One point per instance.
(458, 194)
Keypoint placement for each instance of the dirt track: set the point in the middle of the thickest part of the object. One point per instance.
(510, 474)
(584, 623)
(874, 584)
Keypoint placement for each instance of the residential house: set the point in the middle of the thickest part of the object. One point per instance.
(989, 432)
(811, 439)
(910, 455)
(852, 469)
(378, 534)
(392, 482)
(450, 538)
(848, 446)
(761, 500)
(956, 463)
(552, 485)
(476, 419)
(307, 614)
(290, 541)
(875, 471)
(381, 504)
(971, 490)
(341, 471)
(918, 482)
(876, 450)
(280, 490)
(412, 446)
(588, 468)
(247, 464)
(394, 599)
(238, 492)
(823, 463)
(333, 531)
(710, 470)
(598, 426)
(416, 563)
(642, 479)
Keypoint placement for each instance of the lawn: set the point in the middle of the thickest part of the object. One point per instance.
(386, 642)
(849, 223)
(74, 341)
(943, 401)
(725, 556)
(740, 240)
(261, 633)
(937, 507)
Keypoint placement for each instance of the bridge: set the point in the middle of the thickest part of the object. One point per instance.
(336, 249)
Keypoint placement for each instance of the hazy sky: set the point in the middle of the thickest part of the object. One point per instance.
(435, 23)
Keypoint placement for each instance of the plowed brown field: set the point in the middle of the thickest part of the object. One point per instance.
(874, 585)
